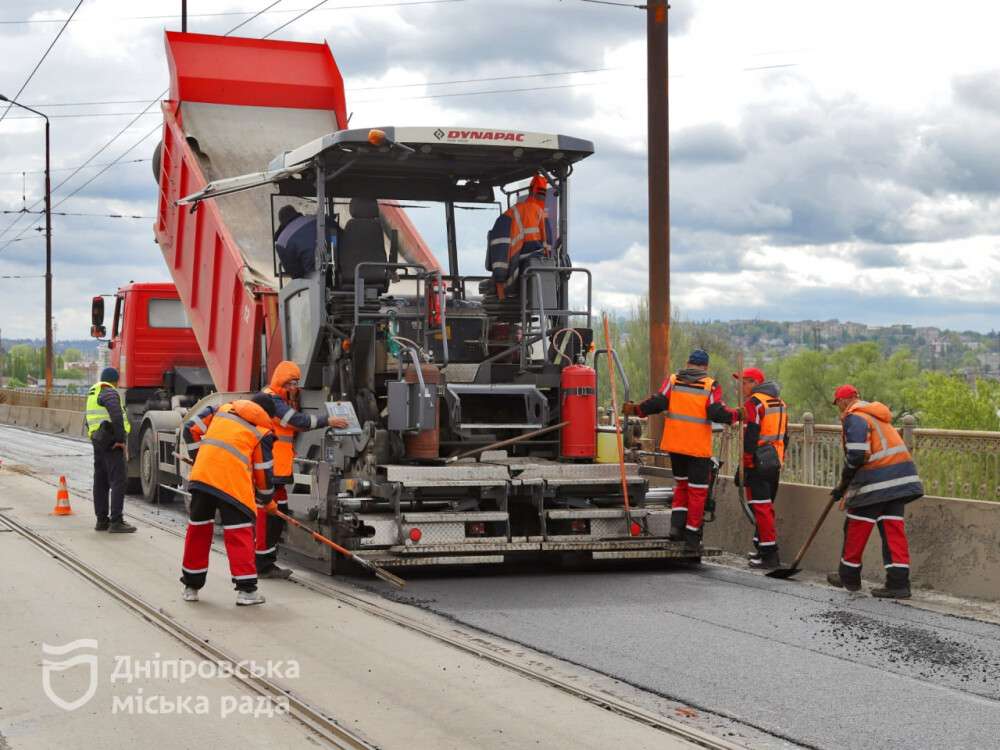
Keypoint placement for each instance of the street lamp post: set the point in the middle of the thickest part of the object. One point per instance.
(48, 251)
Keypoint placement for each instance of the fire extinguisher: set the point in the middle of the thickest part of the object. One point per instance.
(578, 398)
(434, 303)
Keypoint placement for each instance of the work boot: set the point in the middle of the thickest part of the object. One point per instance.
(275, 572)
(888, 593)
(247, 598)
(120, 527)
(692, 542)
(102, 524)
(765, 561)
(834, 579)
(190, 594)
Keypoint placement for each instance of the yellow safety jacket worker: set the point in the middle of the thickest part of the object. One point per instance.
(687, 428)
(234, 457)
(96, 415)
(774, 425)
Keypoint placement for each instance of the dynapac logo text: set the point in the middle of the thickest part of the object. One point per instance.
(485, 135)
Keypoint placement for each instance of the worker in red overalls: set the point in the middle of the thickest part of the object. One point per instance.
(692, 401)
(287, 422)
(231, 477)
(877, 481)
(764, 442)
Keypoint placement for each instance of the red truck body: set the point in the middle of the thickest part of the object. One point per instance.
(234, 318)
(234, 105)
(150, 335)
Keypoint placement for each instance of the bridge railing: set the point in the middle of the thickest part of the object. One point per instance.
(951, 463)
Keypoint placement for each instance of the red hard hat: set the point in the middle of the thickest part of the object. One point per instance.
(752, 373)
(845, 391)
(539, 184)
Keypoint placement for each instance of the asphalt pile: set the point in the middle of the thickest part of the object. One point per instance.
(915, 650)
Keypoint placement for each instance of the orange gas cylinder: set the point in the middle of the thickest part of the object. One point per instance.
(578, 399)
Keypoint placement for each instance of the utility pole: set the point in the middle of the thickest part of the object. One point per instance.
(658, 136)
(184, 16)
(48, 250)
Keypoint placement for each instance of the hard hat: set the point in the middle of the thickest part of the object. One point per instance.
(539, 185)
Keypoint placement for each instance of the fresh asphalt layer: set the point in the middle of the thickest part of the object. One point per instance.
(815, 666)
(819, 667)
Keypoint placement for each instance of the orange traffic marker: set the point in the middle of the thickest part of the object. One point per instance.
(62, 500)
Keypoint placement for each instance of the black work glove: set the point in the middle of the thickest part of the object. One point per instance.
(837, 493)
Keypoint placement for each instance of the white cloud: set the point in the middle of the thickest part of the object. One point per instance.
(864, 171)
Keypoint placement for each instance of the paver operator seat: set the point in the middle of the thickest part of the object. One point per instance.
(362, 241)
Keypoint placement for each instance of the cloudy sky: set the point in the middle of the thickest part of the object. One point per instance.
(828, 159)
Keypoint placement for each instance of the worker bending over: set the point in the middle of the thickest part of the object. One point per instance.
(764, 444)
(878, 479)
(692, 401)
(520, 232)
(108, 429)
(287, 421)
(231, 476)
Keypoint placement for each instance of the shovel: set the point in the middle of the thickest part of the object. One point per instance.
(789, 572)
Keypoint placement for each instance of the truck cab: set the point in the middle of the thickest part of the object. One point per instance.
(154, 349)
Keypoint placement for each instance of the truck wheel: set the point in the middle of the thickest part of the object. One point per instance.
(149, 465)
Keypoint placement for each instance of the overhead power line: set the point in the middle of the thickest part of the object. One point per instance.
(74, 213)
(401, 3)
(41, 60)
(105, 146)
(67, 169)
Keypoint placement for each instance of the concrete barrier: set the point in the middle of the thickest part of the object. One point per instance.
(34, 397)
(55, 421)
(954, 544)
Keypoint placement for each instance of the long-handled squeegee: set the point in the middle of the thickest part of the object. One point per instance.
(382, 573)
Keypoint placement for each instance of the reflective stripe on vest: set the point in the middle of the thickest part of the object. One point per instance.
(225, 459)
(96, 415)
(888, 463)
(774, 425)
(687, 428)
(284, 440)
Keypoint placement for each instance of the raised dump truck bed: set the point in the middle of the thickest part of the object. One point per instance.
(234, 105)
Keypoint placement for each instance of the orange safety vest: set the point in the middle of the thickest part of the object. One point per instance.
(229, 456)
(284, 443)
(687, 428)
(527, 224)
(888, 471)
(775, 423)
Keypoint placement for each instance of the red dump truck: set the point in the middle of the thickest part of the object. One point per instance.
(472, 406)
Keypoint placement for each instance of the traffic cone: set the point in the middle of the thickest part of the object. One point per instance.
(62, 500)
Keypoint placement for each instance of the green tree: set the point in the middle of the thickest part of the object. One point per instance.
(948, 402)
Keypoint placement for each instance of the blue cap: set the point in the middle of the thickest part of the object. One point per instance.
(699, 357)
(109, 375)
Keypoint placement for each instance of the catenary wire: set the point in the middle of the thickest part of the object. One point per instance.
(41, 60)
(105, 146)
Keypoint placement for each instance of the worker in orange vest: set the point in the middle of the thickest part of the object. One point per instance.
(231, 476)
(287, 422)
(877, 481)
(764, 442)
(520, 232)
(692, 401)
